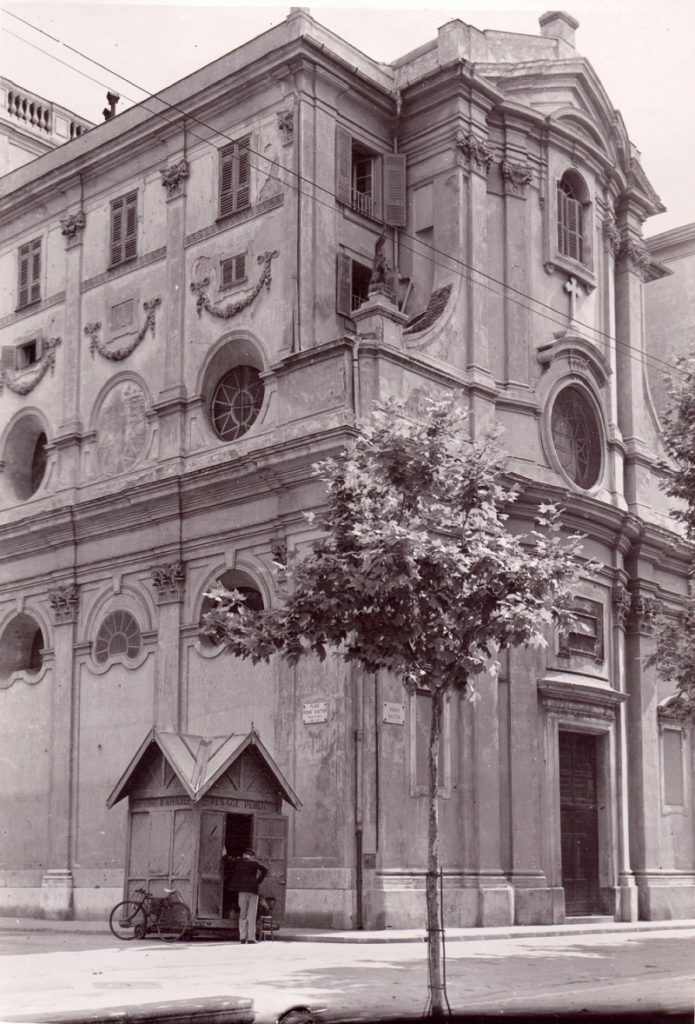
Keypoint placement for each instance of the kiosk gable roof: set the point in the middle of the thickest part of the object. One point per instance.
(199, 761)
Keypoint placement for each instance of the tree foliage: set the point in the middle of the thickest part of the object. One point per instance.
(679, 433)
(674, 658)
(416, 570)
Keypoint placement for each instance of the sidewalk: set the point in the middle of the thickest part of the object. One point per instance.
(599, 926)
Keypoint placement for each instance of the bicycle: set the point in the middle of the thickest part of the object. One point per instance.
(168, 916)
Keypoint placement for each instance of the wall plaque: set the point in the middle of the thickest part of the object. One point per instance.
(393, 713)
(315, 711)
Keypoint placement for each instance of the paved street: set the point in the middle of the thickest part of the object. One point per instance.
(650, 971)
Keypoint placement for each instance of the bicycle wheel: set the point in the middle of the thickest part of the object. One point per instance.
(127, 920)
(174, 921)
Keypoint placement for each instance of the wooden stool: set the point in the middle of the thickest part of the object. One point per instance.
(265, 927)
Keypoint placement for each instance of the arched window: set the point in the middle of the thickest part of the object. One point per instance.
(21, 646)
(232, 580)
(118, 637)
(576, 435)
(236, 402)
(570, 217)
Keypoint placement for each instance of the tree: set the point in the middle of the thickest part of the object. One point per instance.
(415, 573)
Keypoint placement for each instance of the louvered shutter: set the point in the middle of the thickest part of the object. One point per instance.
(117, 211)
(343, 289)
(24, 279)
(227, 181)
(38, 342)
(9, 357)
(35, 290)
(343, 165)
(243, 175)
(130, 241)
(240, 267)
(394, 189)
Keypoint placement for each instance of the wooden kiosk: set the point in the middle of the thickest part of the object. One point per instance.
(192, 796)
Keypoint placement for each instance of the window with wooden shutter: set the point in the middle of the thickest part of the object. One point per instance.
(233, 270)
(124, 229)
(235, 177)
(569, 221)
(394, 189)
(344, 285)
(343, 165)
(29, 288)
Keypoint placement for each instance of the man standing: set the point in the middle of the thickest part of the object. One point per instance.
(247, 875)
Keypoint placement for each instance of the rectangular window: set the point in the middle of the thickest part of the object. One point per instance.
(569, 223)
(585, 635)
(235, 177)
(29, 290)
(352, 284)
(22, 356)
(672, 754)
(124, 229)
(370, 183)
(233, 270)
(122, 315)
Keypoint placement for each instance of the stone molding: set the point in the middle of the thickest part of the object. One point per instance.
(476, 151)
(36, 307)
(169, 580)
(286, 126)
(71, 228)
(611, 233)
(174, 178)
(515, 177)
(124, 268)
(236, 218)
(116, 354)
(64, 602)
(223, 312)
(21, 382)
(643, 610)
(635, 255)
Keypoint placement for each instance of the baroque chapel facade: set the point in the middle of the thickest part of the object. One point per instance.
(193, 315)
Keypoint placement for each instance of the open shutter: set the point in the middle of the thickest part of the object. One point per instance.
(35, 290)
(9, 357)
(227, 181)
(240, 267)
(243, 175)
(24, 268)
(130, 241)
(212, 825)
(270, 844)
(343, 165)
(117, 226)
(394, 189)
(343, 288)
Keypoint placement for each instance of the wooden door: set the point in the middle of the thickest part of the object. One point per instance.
(212, 824)
(579, 823)
(270, 845)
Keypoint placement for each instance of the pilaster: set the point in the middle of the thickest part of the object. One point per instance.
(516, 178)
(627, 890)
(169, 403)
(169, 582)
(69, 432)
(57, 883)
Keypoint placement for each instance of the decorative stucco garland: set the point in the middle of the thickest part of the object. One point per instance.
(227, 312)
(27, 382)
(116, 354)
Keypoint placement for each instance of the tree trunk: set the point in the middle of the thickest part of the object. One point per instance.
(435, 938)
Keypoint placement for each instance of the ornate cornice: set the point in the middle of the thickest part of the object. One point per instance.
(643, 610)
(286, 126)
(515, 177)
(21, 382)
(116, 354)
(169, 580)
(64, 602)
(199, 288)
(174, 178)
(476, 150)
(72, 227)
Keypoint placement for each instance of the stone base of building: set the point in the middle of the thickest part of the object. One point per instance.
(56, 895)
(321, 898)
(666, 897)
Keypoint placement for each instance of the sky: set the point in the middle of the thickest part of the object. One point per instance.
(642, 51)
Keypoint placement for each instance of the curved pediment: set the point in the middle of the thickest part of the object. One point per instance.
(580, 357)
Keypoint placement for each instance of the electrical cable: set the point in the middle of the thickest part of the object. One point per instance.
(664, 366)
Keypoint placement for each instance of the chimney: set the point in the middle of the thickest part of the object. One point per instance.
(558, 25)
(112, 99)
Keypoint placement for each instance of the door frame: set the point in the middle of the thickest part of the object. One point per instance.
(589, 710)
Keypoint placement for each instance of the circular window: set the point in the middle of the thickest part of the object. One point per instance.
(21, 646)
(25, 456)
(236, 402)
(118, 636)
(576, 437)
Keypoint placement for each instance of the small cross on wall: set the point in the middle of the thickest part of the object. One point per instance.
(574, 290)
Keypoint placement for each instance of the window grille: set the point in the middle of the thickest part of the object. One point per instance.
(119, 636)
(237, 402)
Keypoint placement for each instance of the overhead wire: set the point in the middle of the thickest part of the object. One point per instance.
(538, 309)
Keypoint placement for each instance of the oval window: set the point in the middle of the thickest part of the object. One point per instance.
(576, 437)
